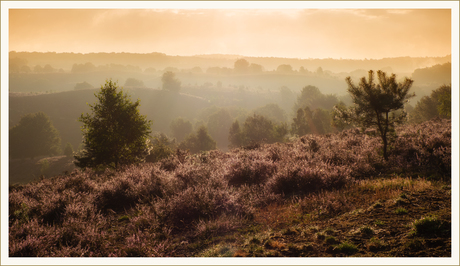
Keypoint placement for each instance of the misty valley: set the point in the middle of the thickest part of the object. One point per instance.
(152, 155)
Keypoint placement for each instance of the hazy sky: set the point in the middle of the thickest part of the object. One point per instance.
(295, 33)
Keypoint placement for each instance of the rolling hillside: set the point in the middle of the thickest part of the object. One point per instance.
(317, 196)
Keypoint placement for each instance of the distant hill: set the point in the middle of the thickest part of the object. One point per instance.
(161, 61)
(437, 74)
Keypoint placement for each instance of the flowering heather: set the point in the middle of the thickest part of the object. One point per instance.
(149, 209)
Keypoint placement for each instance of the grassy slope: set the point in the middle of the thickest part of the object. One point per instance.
(317, 196)
(372, 225)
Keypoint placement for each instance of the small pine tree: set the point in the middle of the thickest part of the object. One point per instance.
(375, 105)
(115, 133)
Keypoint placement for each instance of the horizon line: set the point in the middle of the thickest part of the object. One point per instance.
(233, 55)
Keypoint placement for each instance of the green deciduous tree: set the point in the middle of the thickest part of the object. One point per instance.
(445, 101)
(33, 136)
(284, 68)
(132, 82)
(312, 97)
(235, 136)
(273, 112)
(180, 128)
(340, 117)
(311, 122)
(170, 82)
(218, 126)
(322, 121)
(377, 105)
(438, 104)
(115, 133)
(83, 86)
(241, 66)
(303, 122)
(425, 109)
(201, 141)
(161, 147)
(256, 129)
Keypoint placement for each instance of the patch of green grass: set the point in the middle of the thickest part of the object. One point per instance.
(219, 250)
(356, 211)
(330, 240)
(329, 231)
(401, 211)
(446, 187)
(400, 201)
(377, 204)
(374, 244)
(430, 225)
(414, 244)
(22, 214)
(124, 218)
(314, 229)
(366, 230)
(347, 248)
(320, 236)
(289, 231)
(378, 222)
(256, 250)
(254, 240)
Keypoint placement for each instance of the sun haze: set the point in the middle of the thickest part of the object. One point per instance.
(294, 33)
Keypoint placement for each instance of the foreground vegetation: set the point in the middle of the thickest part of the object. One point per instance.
(329, 195)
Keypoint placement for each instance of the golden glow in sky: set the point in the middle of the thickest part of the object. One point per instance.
(294, 33)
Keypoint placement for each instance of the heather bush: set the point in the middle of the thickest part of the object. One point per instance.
(169, 164)
(199, 202)
(26, 240)
(78, 183)
(258, 195)
(53, 210)
(116, 195)
(158, 184)
(356, 151)
(134, 185)
(172, 162)
(303, 178)
(188, 175)
(249, 170)
(424, 149)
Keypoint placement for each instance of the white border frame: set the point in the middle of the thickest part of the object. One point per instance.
(6, 5)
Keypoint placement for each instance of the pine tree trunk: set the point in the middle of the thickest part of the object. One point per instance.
(385, 146)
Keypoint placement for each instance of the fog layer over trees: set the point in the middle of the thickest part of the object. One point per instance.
(213, 101)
